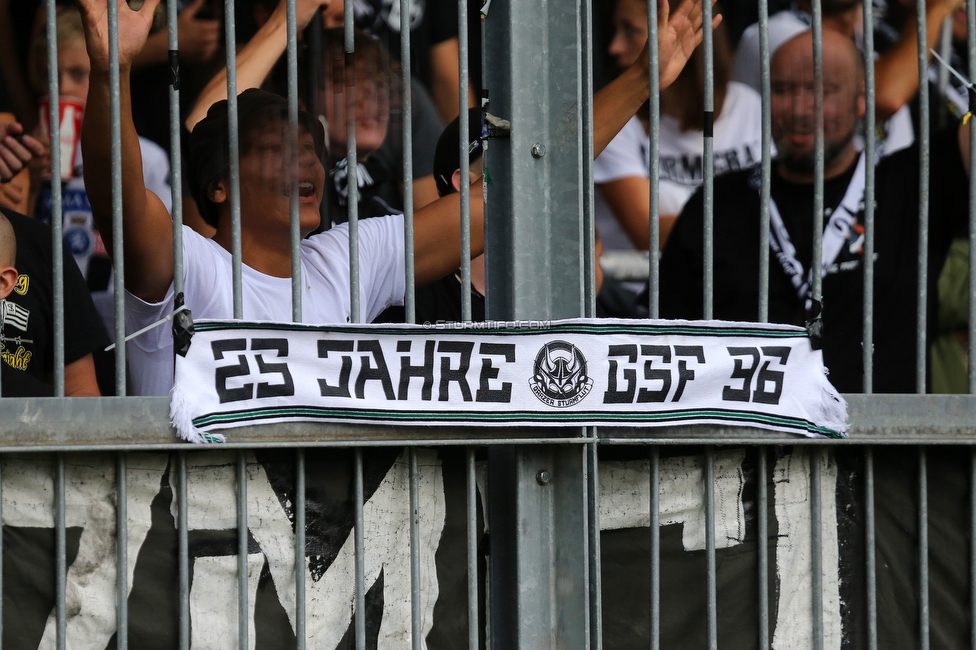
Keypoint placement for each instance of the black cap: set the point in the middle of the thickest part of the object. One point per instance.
(447, 156)
(207, 147)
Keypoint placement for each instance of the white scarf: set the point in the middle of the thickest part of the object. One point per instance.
(581, 372)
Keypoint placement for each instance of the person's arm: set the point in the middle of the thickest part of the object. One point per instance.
(79, 378)
(146, 224)
(424, 191)
(256, 59)
(896, 71)
(198, 40)
(437, 234)
(445, 80)
(679, 33)
(629, 199)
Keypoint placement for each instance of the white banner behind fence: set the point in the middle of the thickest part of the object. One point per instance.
(532, 373)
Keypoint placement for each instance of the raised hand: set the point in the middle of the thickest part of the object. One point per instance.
(679, 33)
(133, 30)
(14, 155)
(199, 39)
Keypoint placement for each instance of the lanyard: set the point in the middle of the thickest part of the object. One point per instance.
(836, 234)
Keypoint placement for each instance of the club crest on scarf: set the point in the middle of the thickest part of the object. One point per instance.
(560, 377)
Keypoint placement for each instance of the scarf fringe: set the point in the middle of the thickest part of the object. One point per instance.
(180, 415)
(833, 408)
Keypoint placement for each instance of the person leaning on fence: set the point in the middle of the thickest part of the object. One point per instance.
(266, 164)
(737, 212)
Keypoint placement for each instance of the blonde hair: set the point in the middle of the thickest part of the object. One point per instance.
(70, 31)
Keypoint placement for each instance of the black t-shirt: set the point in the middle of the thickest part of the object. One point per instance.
(736, 236)
(438, 302)
(28, 336)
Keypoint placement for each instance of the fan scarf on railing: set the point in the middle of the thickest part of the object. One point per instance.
(533, 373)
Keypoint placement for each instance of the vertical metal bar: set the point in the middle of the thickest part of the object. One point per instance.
(867, 347)
(115, 104)
(472, 535)
(242, 596)
(416, 632)
(921, 321)
(184, 554)
(762, 521)
(767, 164)
(971, 48)
(464, 137)
(654, 166)
(300, 561)
(816, 264)
(295, 221)
(708, 161)
(122, 548)
(594, 558)
(923, 548)
(870, 553)
(234, 153)
(360, 589)
(655, 529)
(57, 236)
(352, 178)
(816, 511)
(586, 146)
(61, 553)
(535, 270)
(410, 298)
(175, 146)
(711, 583)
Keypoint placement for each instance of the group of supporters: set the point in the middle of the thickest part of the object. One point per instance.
(273, 166)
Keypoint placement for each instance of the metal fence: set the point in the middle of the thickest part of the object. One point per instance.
(541, 490)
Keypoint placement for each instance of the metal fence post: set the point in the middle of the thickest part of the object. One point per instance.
(535, 269)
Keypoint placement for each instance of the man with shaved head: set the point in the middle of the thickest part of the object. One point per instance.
(737, 223)
(896, 67)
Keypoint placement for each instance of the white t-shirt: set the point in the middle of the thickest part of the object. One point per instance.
(737, 145)
(81, 237)
(208, 282)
